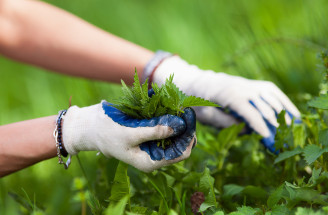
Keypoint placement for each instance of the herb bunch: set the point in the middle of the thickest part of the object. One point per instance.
(140, 103)
(167, 99)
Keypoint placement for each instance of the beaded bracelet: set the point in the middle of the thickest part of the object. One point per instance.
(59, 143)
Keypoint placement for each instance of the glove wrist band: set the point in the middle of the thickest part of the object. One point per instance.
(153, 63)
(61, 151)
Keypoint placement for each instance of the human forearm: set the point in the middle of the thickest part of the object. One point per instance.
(25, 143)
(40, 34)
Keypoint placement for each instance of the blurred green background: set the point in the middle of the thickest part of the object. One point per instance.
(272, 40)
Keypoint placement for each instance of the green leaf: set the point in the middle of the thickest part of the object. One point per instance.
(206, 184)
(281, 210)
(323, 137)
(299, 135)
(128, 94)
(230, 190)
(288, 154)
(227, 136)
(315, 176)
(159, 182)
(312, 153)
(308, 211)
(136, 89)
(121, 184)
(246, 210)
(275, 196)
(284, 132)
(168, 99)
(304, 194)
(191, 101)
(94, 204)
(255, 192)
(117, 209)
(320, 102)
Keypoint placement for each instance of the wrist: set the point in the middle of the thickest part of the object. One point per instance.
(152, 65)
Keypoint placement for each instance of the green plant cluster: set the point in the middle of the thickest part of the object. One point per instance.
(167, 99)
(226, 174)
(272, 40)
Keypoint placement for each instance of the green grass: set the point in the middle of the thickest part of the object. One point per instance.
(272, 40)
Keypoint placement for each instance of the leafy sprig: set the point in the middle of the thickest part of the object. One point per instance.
(140, 103)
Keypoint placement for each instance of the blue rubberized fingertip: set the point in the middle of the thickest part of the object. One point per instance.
(269, 141)
(178, 144)
(184, 130)
(151, 92)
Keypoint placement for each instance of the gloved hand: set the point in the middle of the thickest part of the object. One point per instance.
(255, 102)
(104, 128)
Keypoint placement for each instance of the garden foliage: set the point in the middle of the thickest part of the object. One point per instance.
(226, 174)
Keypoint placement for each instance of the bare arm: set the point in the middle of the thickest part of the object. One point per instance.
(25, 143)
(38, 33)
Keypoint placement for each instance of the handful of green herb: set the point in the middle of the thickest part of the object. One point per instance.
(167, 99)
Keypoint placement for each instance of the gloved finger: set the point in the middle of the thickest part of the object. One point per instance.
(267, 112)
(278, 107)
(214, 117)
(252, 117)
(178, 145)
(147, 164)
(285, 101)
(181, 142)
(273, 102)
(146, 129)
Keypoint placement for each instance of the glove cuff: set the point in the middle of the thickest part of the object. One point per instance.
(77, 128)
(153, 64)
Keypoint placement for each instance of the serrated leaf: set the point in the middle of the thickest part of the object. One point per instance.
(288, 154)
(245, 210)
(128, 111)
(315, 176)
(323, 137)
(275, 196)
(206, 184)
(281, 209)
(191, 101)
(312, 152)
(121, 184)
(160, 111)
(320, 102)
(308, 211)
(127, 92)
(284, 133)
(136, 89)
(117, 209)
(299, 135)
(166, 99)
(227, 136)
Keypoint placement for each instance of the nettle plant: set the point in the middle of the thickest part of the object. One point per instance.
(141, 103)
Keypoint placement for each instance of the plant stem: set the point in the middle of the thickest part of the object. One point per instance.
(84, 174)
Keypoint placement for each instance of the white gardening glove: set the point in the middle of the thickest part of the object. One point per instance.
(257, 103)
(104, 128)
